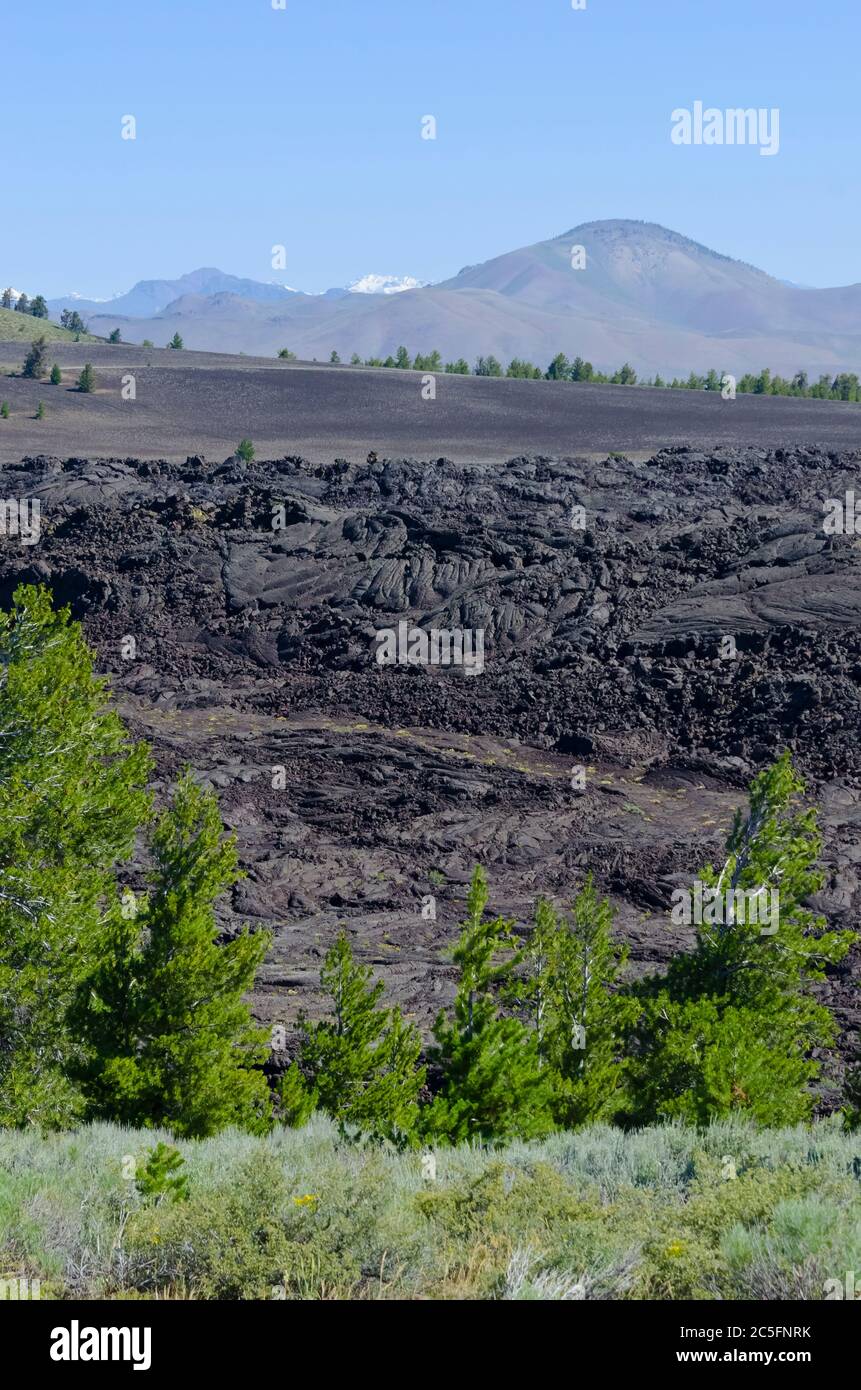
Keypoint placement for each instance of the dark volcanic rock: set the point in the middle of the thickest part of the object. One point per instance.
(692, 621)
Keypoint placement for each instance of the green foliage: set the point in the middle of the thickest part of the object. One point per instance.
(87, 379)
(287, 355)
(71, 319)
(4, 410)
(162, 1176)
(493, 1084)
(403, 359)
(580, 1016)
(245, 451)
(361, 1065)
(334, 358)
(40, 411)
(56, 375)
(176, 343)
(72, 794)
(38, 307)
(114, 336)
(169, 1040)
(732, 1025)
(34, 362)
(488, 366)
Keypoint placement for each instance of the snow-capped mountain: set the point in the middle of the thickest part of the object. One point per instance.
(385, 284)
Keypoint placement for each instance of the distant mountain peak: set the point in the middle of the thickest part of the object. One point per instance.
(385, 284)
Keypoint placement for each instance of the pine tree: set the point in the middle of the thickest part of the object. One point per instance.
(87, 379)
(581, 1018)
(493, 1085)
(6, 301)
(114, 336)
(34, 362)
(402, 359)
(23, 304)
(40, 411)
(56, 375)
(176, 342)
(72, 794)
(169, 1037)
(4, 410)
(732, 1025)
(361, 1065)
(38, 307)
(245, 451)
(334, 358)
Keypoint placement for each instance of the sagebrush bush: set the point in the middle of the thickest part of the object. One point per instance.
(670, 1212)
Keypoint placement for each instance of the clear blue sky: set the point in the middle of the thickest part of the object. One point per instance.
(259, 126)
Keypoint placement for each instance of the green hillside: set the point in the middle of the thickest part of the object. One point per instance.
(14, 326)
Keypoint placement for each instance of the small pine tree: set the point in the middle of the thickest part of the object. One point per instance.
(403, 359)
(168, 1035)
(162, 1176)
(23, 304)
(34, 362)
(361, 1065)
(245, 451)
(87, 379)
(493, 1084)
(580, 1016)
(287, 355)
(38, 307)
(4, 410)
(334, 359)
(176, 342)
(56, 375)
(733, 1024)
(74, 794)
(6, 301)
(40, 411)
(114, 336)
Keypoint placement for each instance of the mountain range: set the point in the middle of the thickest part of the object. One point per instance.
(639, 293)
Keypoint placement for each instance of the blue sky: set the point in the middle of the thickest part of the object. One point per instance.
(301, 127)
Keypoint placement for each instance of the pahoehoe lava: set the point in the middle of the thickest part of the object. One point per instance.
(604, 648)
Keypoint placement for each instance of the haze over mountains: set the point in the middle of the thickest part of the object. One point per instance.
(647, 295)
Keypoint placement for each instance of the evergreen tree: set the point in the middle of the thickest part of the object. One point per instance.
(114, 336)
(35, 361)
(732, 1025)
(245, 451)
(56, 375)
(40, 411)
(72, 794)
(458, 368)
(87, 379)
(38, 307)
(169, 1039)
(559, 369)
(580, 1017)
(488, 366)
(6, 301)
(4, 410)
(334, 359)
(23, 304)
(402, 359)
(362, 1064)
(176, 342)
(493, 1084)
(287, 355)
